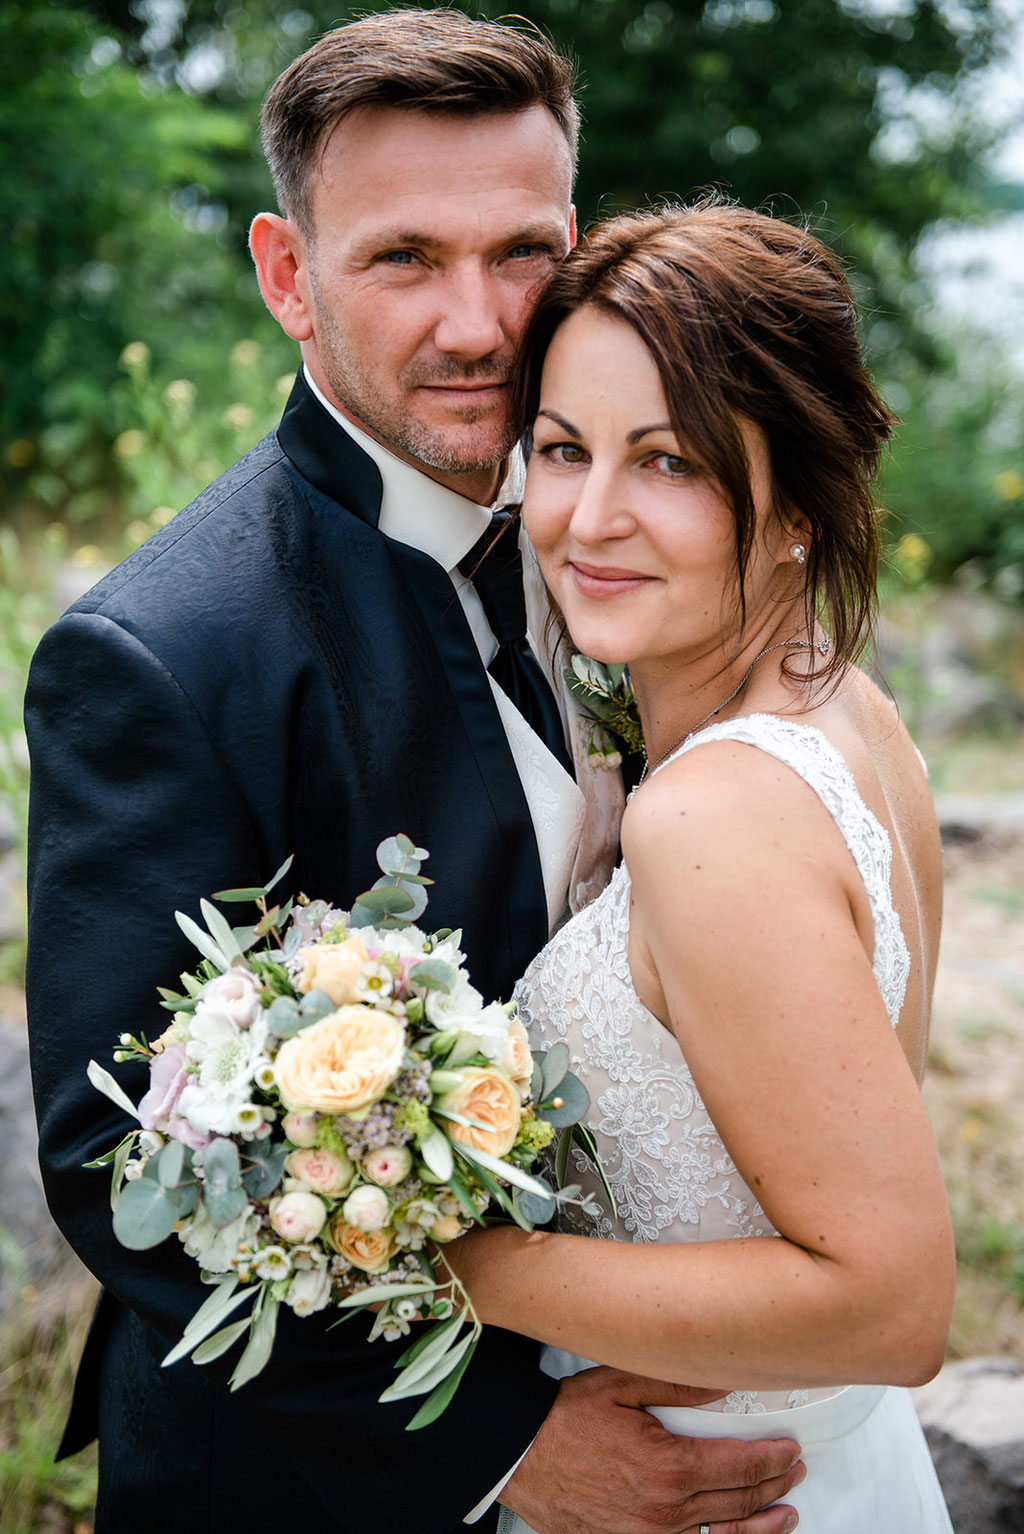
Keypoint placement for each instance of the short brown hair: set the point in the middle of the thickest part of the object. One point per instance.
(746, 316)
(439, 61)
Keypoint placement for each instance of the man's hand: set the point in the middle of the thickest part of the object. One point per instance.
(602, 1465)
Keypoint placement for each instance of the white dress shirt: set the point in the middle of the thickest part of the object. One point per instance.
(417, 511)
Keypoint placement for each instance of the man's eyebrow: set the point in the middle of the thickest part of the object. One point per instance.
(549, 232)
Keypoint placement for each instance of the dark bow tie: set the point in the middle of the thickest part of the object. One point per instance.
(495, 567)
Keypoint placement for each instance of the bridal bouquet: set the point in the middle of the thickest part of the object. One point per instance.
(331, 1103)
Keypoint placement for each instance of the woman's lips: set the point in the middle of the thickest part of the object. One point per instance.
(606, 580)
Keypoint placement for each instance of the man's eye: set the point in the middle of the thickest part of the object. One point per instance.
(524, 252)
(397, 257)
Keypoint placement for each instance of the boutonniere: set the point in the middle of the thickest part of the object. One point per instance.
(606, 694)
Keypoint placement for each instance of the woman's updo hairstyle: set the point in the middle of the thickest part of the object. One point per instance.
(746, 316)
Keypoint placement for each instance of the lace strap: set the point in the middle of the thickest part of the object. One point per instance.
(812, 756)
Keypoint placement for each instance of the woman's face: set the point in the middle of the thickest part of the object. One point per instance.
(636, 542)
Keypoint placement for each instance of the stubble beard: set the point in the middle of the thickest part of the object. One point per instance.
(382, 416)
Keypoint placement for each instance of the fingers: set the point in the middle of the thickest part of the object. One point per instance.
(640, 1390)
(771, 1520)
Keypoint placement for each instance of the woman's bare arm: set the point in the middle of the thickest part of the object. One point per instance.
(767, 983)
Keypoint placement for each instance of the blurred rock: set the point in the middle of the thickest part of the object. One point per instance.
(973, 1417)
(36, 1263)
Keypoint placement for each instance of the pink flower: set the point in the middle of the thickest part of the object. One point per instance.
(158, 1108)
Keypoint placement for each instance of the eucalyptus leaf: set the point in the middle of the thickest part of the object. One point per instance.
(265, 1167)
(435, 1403)
(434, 975)
(537, 1078)
(536, 1209)
(289, 860)
(385, 900)
(201, 940)
(554, 1064)
(170, 1163)
(223, 1195)
(104, 1082)
(574, 1099)
(315, 1005)
(145, 1214)
(249, 893)
(396, 854)
(283, 1017)
(219, 1343)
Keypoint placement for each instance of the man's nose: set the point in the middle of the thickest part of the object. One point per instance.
(471, 324)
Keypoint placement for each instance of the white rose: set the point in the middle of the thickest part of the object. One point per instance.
(309, 1291)
(235, 995)
(298, 1216)
(300, 1129)
(387, 1167)
(368, 1209)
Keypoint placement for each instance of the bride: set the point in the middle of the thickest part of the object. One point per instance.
(747, 1003)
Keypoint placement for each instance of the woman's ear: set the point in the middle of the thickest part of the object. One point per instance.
(279, 251)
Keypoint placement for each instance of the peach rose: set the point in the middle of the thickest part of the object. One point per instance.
(446, 1227)
(370, 1250)
(298, 1216)
(334, 968)
(491, 1098)
(518, 1062)
(320, 1170)
(341, 1063)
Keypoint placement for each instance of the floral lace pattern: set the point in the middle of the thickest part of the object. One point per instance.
(672, 1177)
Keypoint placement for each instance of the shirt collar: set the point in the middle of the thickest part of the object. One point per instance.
(415, 509)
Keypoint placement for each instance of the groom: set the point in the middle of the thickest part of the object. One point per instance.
(298, 664)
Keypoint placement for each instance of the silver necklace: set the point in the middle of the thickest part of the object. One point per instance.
(821, 645)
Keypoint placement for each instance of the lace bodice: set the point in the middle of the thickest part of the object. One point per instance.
(672, 1177)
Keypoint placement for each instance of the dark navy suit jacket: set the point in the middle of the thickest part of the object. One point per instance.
(268, 675)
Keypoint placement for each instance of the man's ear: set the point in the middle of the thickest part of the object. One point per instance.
(279, 252)
(572, 226)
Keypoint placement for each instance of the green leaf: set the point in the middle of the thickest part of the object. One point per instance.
(104, 1082)
(461, 1192)
(554, 1065)
(380, 1292)
(584, 1137)
(265, 1167)
(145, 1214)
(385, 900)
(562, 1150)
(284, 1018)
(251, 892)
(574, 1099)
(503, 1169)
(435, 1404)
(219, 1343)
(261, 1342)
(170, 1162)
(537, 1208)
(436, 1150)
(112, 1155)
(424, 1342)
(201, 940)
(225, 1298)
(315, 1005)
(289, 860)
(396, 854)
(224, 1198)
(221, 932)
(434, 1364)
(434, 974)
(537, 1078)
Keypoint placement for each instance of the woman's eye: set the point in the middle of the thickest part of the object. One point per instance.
(672, 465)
(563, 452)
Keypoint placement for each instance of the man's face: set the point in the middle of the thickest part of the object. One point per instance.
(432, 237)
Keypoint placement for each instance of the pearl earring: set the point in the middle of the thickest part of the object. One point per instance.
(799, 553)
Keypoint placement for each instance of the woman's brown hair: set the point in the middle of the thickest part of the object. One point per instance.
(746, 316)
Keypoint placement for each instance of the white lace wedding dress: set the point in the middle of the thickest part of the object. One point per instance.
(868, 1466)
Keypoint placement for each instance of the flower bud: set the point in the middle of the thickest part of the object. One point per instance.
(367, 1209)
